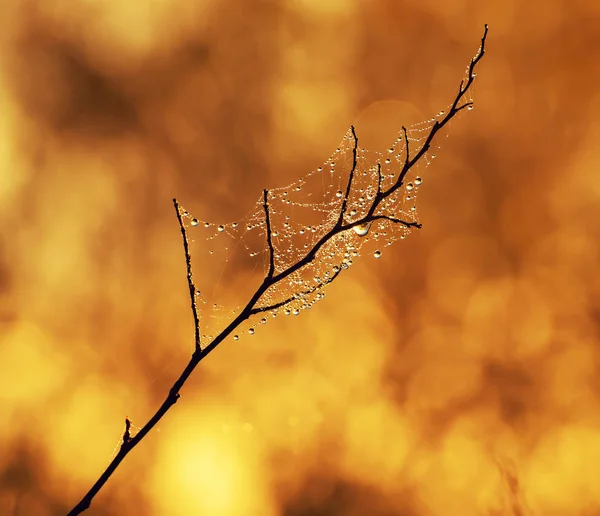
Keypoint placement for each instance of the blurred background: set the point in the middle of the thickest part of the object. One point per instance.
(457, 375)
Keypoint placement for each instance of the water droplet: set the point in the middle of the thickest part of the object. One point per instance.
(362, 229)
(391, 150)
(352, 212)
(418, 180)
(377, 254)
(287, 311)
(194, 222)
(221, 228)
(410, 187)
(234, 225)
(251, 331)
(296, 311)
(236, 337)
(470, 108)
(320, 169)
(263, 321)
(339, 194)
(433, 156)
(207, 224)
(388, 161)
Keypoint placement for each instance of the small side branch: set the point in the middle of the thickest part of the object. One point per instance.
(406, 156)
(350, 177)
(269, 235)
(312, 290)
(127, 432)
(192, 287)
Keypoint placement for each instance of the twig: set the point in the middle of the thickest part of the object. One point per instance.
(269, 235)
(190, 279)
(350, 178)
(271, 279)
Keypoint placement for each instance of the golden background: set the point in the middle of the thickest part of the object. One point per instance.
(458, 375)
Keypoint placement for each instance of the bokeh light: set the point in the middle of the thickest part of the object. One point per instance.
(458, 374)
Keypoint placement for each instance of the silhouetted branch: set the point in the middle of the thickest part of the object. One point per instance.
(188, 264)
(127, 432)
(350, 177)
(269, 235)
(272, 279)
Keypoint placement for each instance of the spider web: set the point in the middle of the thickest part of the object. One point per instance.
(231, 258)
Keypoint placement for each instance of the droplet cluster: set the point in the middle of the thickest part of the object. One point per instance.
(302, 215)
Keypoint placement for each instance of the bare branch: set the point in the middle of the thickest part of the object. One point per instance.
(271, 278)
(192, 287)
(406, 154)
(350, 177)
(269, 234)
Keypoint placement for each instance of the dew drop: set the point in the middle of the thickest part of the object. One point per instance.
(251, 331)
(236, 337)
(194, 222)
(433, 156)
(339, 194)
(221, 228)
(234, 225)
(287, 311)
(391, 150)
(418, 180)
(362, 229)
(377, 254)
(207, 224)
(263, 321)
(410, 187)
(470, 108)
(296, 311)
(388, 161)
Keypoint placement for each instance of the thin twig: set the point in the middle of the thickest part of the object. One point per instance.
(306, 292)
(192, 287)
(271, 279)
(350, 177)
(269, 234)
